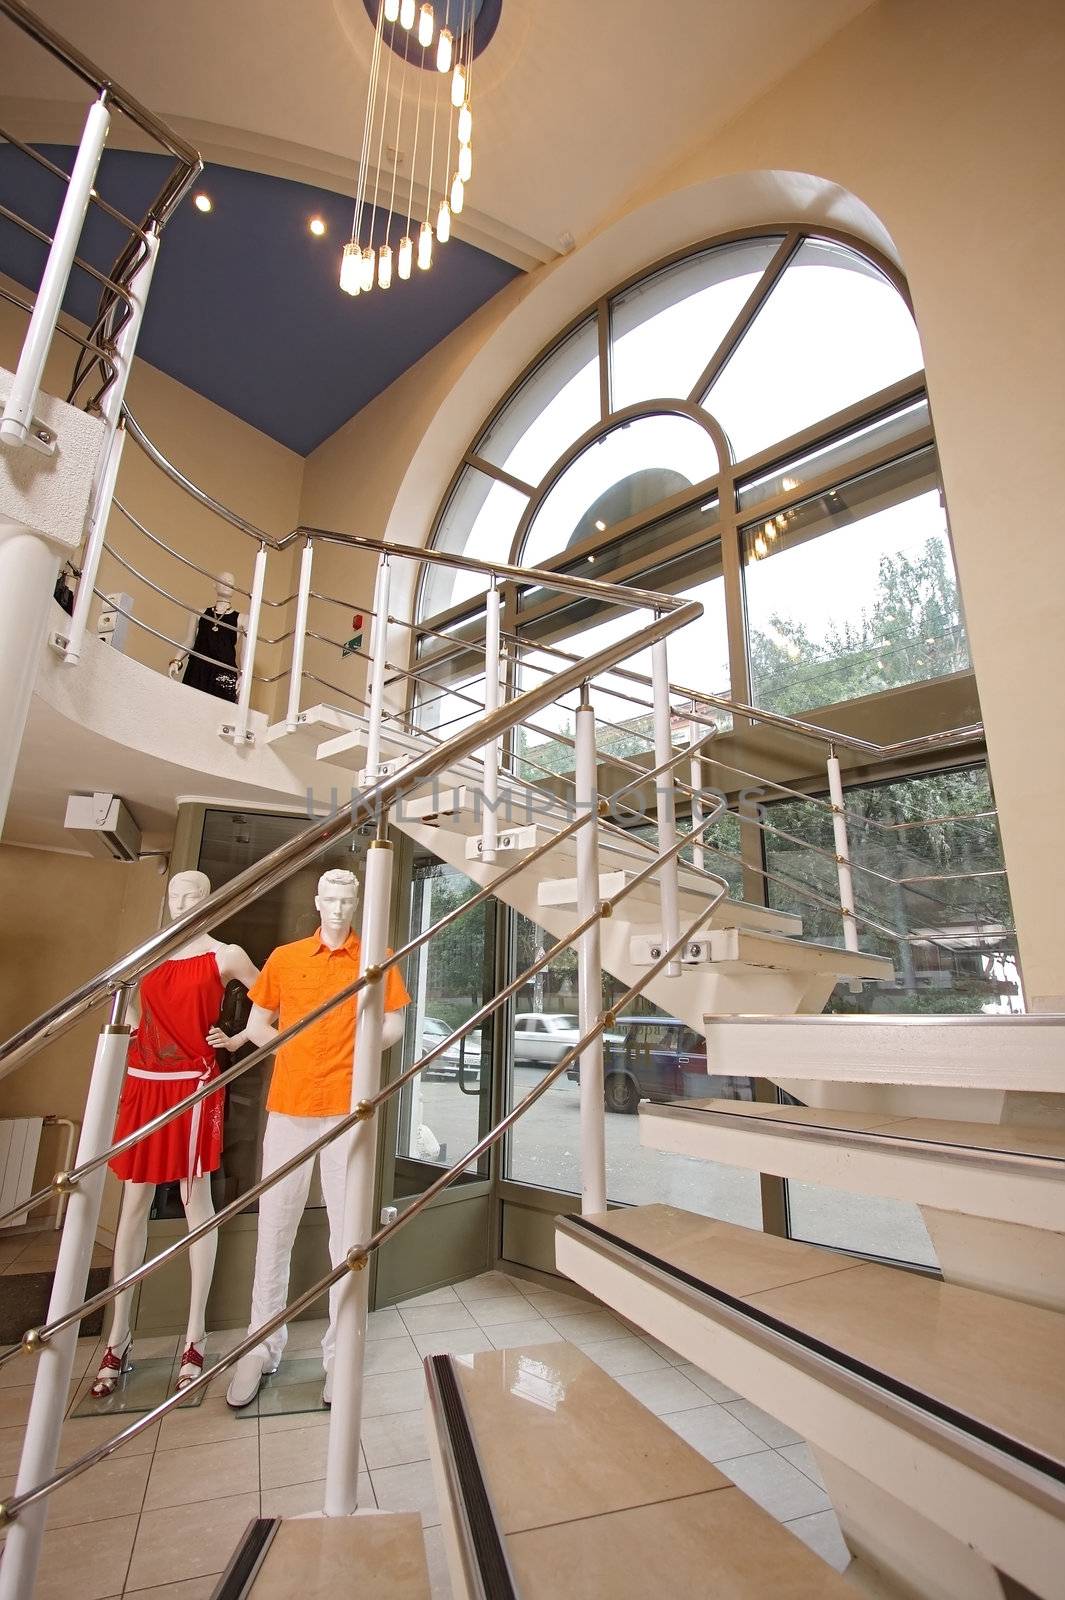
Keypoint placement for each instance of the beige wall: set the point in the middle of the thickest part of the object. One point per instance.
(234, 462)
(945, 121)
(67, 917)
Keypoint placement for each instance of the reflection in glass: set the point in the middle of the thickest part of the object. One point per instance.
(626, 471)
(665, 329)
(480, 521)
(816, 463)
(854, 591)
(833, 331)
(556, 404)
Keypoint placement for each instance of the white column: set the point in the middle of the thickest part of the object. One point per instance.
(843, 863)
(590, 970)
(345, 1418)
(378, 664)
(18, 1570)
(29, 565)
(299, 638)
(250, 645)
(664, 801)
(695, 778)
(107, 467)
(22, 401)
(491, 703)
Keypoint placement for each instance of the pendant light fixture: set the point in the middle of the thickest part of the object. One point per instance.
(418, 115)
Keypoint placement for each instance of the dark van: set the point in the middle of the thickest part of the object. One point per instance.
(659, 1058)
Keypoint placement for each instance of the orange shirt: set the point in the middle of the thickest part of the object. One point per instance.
(312, 1073)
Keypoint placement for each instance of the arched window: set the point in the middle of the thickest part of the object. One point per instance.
(746, 423)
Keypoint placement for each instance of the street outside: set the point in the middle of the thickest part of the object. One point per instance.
(545, 1152)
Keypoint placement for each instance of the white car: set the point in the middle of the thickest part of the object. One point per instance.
(541, 1038)
(434, 1032)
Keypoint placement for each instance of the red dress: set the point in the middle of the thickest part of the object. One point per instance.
(169, 1057)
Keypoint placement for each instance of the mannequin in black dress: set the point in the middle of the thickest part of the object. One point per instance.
(217, 634)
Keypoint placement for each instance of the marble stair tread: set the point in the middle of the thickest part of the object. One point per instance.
(999, 1362)
(318, 1558)
(585, 1481)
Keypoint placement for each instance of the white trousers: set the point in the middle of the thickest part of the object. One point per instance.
(280, 1210)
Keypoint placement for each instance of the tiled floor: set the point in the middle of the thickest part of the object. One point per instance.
(160, 1519)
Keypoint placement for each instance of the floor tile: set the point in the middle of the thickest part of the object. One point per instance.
(489, 1286)
(548, 1300)
(407, 1488)
(78, 1437)
(305, 1337)
(711, 1387)
(432, 1297)
(437, 1318)
(534, 1331)
(297, 1456)
(212, 1423)
(200, 1471)
(714, 1433)
(765, 1426)
(436, 1560)
(293, 1421)
(392, 1391)
(169, 1549)
(821, 1533)
(114, 1488)
(190, 1589)
(393, 1441)
(624, 1355)
(507, 1308)
(15, 1403)
(775, 1485)
(454, 1342)
(586, 1327)
(801, 1456)
(97, 1552)
(391, 1355)
(297, 1499)
(386, 1324)
(663, 1391)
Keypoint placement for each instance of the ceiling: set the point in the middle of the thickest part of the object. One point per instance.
(578, 108)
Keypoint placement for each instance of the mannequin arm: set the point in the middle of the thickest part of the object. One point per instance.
(259, 1031)
(177, 666)
(391, 1029)
(242, 635)
(233, 962)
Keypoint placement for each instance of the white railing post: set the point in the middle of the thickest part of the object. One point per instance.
(107, 467)
(22, 401)
(589, 966)
(378, 664)
(55, 1365)
(664, 800)
(251, 642)
(843, 862)
(491, 703)
(299, 638)
(345, 1418)
(695, 778)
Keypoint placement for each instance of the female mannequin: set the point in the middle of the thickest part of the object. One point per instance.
(217, 633)
(176, 1006)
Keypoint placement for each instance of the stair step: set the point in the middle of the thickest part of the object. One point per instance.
(757, 947)
(694, 893)
(510, 843)
(553, 1480)
(950, 1401)
(1008, 1173)
(318, 1558)
(312, 726)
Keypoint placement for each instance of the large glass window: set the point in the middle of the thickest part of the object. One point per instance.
(556, 404)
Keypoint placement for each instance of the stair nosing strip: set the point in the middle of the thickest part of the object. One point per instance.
(485, 1540)
(247, 1559)
(967, 1431)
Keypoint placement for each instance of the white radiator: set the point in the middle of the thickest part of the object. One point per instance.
(20, 1140)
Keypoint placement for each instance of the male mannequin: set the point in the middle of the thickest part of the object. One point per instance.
(310, 1092)
(169, 1053)
(216, 636)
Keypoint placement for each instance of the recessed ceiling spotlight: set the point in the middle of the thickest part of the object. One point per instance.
(600, 525)
(317, 227)
(203, 202)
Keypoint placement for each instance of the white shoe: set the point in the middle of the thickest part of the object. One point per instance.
(327, 1391)
(246, 1381)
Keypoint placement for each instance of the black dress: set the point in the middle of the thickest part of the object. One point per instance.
(216, 637)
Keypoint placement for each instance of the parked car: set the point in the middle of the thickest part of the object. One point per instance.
(659, 1058)
(541, 1038)
(446, 1066)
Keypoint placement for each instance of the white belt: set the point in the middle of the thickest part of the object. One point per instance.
(194, 1163)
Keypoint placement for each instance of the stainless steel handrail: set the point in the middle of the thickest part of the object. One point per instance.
(7, 137)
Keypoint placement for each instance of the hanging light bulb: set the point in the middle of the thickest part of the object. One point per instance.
(465, 125)
(369, 269)
(458, 194)
(384, 266)
(391, 10)
(406, 256)
(443, 222)
(425, 246)
(458, 87)
(425, 26)
(444, 50)
(465, 164)
(406, 14)
(351, 269)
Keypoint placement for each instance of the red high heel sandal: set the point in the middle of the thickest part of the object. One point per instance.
(114, 1365)
(191, 1365)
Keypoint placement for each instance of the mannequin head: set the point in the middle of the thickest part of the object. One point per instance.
(223, 585)
(337, 900)
(185, 890)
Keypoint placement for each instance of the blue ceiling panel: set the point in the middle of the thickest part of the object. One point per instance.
(245, 307)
